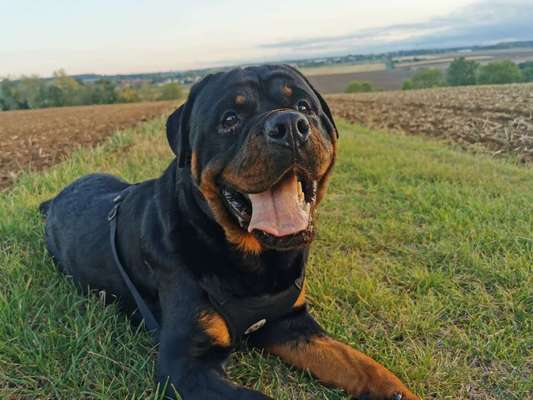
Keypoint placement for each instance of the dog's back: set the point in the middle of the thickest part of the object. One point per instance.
(76, 228)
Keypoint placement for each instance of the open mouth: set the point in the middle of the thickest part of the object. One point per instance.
(281, 216)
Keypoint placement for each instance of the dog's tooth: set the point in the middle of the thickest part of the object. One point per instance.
(314, 190)
(301, 196)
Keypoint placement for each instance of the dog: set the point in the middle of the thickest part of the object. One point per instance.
(214, 251)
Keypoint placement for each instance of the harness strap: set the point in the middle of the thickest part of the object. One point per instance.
(149, 320)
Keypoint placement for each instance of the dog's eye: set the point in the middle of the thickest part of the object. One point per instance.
(304, 107)
(229, 120)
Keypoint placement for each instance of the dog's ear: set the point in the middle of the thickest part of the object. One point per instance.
(178, 125)
(175, 134)
(325, 107)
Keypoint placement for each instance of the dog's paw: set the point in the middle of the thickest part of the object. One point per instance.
(402, 396)
(394, 396)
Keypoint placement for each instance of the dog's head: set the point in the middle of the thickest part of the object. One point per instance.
(259, 143)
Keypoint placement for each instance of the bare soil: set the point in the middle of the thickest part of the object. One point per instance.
(497, 119)
(36, 139)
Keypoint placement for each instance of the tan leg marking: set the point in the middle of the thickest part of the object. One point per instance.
(339, 365)
(216, 328)
(300, 301)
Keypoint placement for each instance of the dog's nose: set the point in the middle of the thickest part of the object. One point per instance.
(287, 127)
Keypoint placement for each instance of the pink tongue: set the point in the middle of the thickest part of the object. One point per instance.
(277, 211)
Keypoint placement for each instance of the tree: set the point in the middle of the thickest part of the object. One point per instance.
(147, 91)
(7, 99)
(127, 94)
(390, 64)
(428, 78)
(170, 91)
(32, 91)
(527, 71)
(462, 72)
(102, 92)
(70, 87)
(527, 74)
(55, 96)
(12, 98)
(359, 87)
(499, 72)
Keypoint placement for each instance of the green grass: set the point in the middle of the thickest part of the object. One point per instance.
(423, 261)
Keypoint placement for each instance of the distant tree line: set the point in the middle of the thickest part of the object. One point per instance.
(403, 54)
(463, 72)
(63, 90)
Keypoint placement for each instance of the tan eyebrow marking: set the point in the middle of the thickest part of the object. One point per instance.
(286, 90)
(240, 100)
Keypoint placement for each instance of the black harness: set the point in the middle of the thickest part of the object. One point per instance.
(150, 322)
(243, 315)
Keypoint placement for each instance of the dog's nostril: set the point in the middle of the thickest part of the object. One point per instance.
(279, 131)
(303, 127)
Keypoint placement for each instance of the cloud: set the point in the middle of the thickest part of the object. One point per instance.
(484, 22)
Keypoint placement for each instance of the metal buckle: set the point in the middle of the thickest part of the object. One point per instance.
(255, 327)
(299, 282)
(113, 213)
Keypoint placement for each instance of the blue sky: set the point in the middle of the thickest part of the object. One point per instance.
(117, 36)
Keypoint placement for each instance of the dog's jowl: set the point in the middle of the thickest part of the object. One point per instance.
(215, 249)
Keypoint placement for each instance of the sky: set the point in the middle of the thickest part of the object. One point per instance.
(118, 36)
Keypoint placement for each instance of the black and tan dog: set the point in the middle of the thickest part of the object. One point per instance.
(217, 246)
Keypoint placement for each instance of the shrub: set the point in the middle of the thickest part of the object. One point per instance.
(359, 87)
(426, 78)
(462, 72)
(499, 72)
(407, 85)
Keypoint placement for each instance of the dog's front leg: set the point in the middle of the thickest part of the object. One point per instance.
(193, 347)
(299, 341)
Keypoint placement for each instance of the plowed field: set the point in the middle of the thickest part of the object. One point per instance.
(37, 139)
(497, 119)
